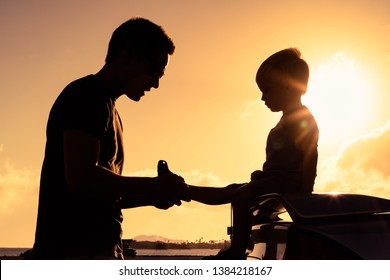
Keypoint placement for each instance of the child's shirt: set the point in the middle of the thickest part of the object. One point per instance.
(290, 143)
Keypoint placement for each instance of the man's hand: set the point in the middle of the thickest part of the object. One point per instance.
(164, 193)
(170, 189)
(182, 192)
(256, 175)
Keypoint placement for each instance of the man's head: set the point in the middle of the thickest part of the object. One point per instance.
(137, 56)
(287, 68)
(144, 35)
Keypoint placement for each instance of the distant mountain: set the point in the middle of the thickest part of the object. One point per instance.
(156, 238)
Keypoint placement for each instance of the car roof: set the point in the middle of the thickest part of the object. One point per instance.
(305, 207)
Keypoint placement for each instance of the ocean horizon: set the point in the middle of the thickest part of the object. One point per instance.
(15, 252)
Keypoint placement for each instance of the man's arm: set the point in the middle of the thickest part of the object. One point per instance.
(84, 176)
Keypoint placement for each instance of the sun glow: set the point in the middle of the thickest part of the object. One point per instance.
(339, 98)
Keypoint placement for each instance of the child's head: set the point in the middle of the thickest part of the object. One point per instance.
(285, 68)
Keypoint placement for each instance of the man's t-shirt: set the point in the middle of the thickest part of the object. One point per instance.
(70, 225)
(288, 143)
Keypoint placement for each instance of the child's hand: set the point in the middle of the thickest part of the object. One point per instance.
(256, 175)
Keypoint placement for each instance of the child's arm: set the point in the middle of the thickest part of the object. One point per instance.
(307, 142)
(310, 159)
(213, 195)
(309, 168)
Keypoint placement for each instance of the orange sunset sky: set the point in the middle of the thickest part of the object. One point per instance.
(206, 119)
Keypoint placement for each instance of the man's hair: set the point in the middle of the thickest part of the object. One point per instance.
(141, 33)
(288, 67)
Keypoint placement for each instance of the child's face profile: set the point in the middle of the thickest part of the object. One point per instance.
(273, 91)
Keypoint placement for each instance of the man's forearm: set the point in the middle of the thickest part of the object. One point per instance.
(102, 182)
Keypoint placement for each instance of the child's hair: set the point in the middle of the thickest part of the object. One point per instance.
(288, 67)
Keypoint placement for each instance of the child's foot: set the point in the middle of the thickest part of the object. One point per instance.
(226, 255)
(162, 169)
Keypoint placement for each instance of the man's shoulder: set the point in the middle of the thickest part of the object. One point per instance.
(81, 96)
(82, 84)
(89, 88)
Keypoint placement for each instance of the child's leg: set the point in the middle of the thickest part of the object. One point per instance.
(242, 215)
(213, 195)
(242, 222)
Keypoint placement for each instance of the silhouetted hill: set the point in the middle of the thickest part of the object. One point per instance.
(159, 242)
(156, 238)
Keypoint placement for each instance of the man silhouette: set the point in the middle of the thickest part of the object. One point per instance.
(82, 190)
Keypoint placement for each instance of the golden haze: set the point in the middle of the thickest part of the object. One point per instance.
(206, 119)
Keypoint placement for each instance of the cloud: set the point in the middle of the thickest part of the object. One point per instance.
(195, 177)
(16, 185)
(142, 173)
(369, 153)
(249, 108)
(363, 166)
(1, 147)
(192, 177)
(192, 220)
